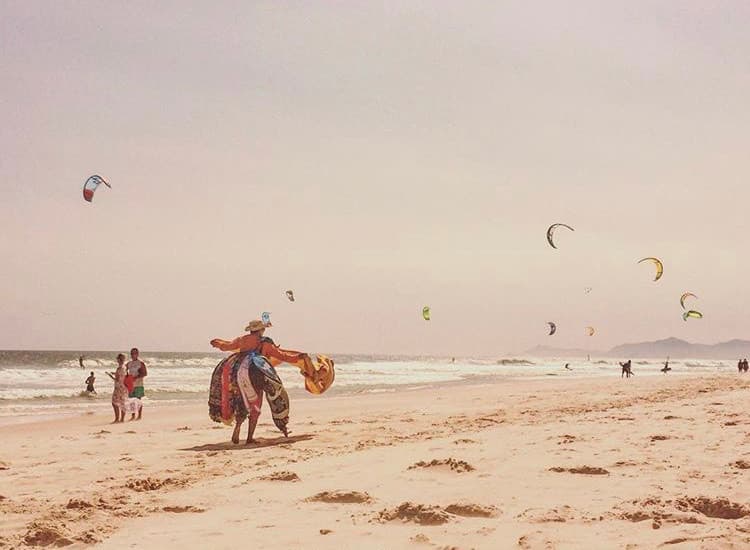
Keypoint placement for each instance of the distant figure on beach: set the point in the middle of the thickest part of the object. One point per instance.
(90, 383)
(80, 361)
(120, 392)
(743, 366)
(626, 369)
(137, 370)
(567, 366)
(666, 367)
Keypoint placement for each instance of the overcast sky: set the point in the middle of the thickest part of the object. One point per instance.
(375, 157)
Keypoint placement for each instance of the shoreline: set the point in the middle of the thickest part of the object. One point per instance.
(81, 405)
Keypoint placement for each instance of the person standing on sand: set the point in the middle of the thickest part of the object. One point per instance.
(90, 383)
(137, 369)
(120, 392)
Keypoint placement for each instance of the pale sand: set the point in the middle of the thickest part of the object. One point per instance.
(668, 462)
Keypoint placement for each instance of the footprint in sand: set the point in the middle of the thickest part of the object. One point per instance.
(340, 497)
(183, 509)
(154, 484)
(458, 466)
(532, 541)
(280, 476)
(422, 514)
(76, 504)
(554, 515)
(587, 470)
(47, 534)
(721, 508)
(472, 510)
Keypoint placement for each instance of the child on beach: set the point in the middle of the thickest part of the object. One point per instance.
(120, 392)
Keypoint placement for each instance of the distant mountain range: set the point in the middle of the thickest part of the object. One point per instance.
(672, 347)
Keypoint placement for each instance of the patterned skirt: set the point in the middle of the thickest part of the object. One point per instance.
(231, 398)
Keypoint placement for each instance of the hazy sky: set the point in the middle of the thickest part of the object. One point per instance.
(375, 157)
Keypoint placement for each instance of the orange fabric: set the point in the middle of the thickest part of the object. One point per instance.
(276, 355)
(246, 342)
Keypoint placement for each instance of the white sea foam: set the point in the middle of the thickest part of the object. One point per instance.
(33, 381)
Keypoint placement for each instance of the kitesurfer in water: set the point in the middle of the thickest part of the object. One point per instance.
(626, 369)
(666, 367)
(90, 383)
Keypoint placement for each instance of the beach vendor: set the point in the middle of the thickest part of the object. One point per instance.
(136, 371)
(240, 380)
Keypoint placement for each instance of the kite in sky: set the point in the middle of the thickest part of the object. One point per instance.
(657, 264)
(685, 297)
(551, 232)
(91, 185)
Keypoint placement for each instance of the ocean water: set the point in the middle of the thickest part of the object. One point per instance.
(52, 382)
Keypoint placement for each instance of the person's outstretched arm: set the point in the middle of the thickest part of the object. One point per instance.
(283, 355)
(241, 343)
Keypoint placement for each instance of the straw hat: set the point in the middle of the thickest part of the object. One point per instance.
(256, 325)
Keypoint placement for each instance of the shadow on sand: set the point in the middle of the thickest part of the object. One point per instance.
(260, 442)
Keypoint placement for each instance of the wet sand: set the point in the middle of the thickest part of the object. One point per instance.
(599, 463)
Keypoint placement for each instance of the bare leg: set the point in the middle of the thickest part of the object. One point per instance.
(140, 409)
(117, 412)
(252, 423)
(236, 432)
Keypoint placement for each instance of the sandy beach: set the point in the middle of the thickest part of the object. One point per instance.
(599, 463)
